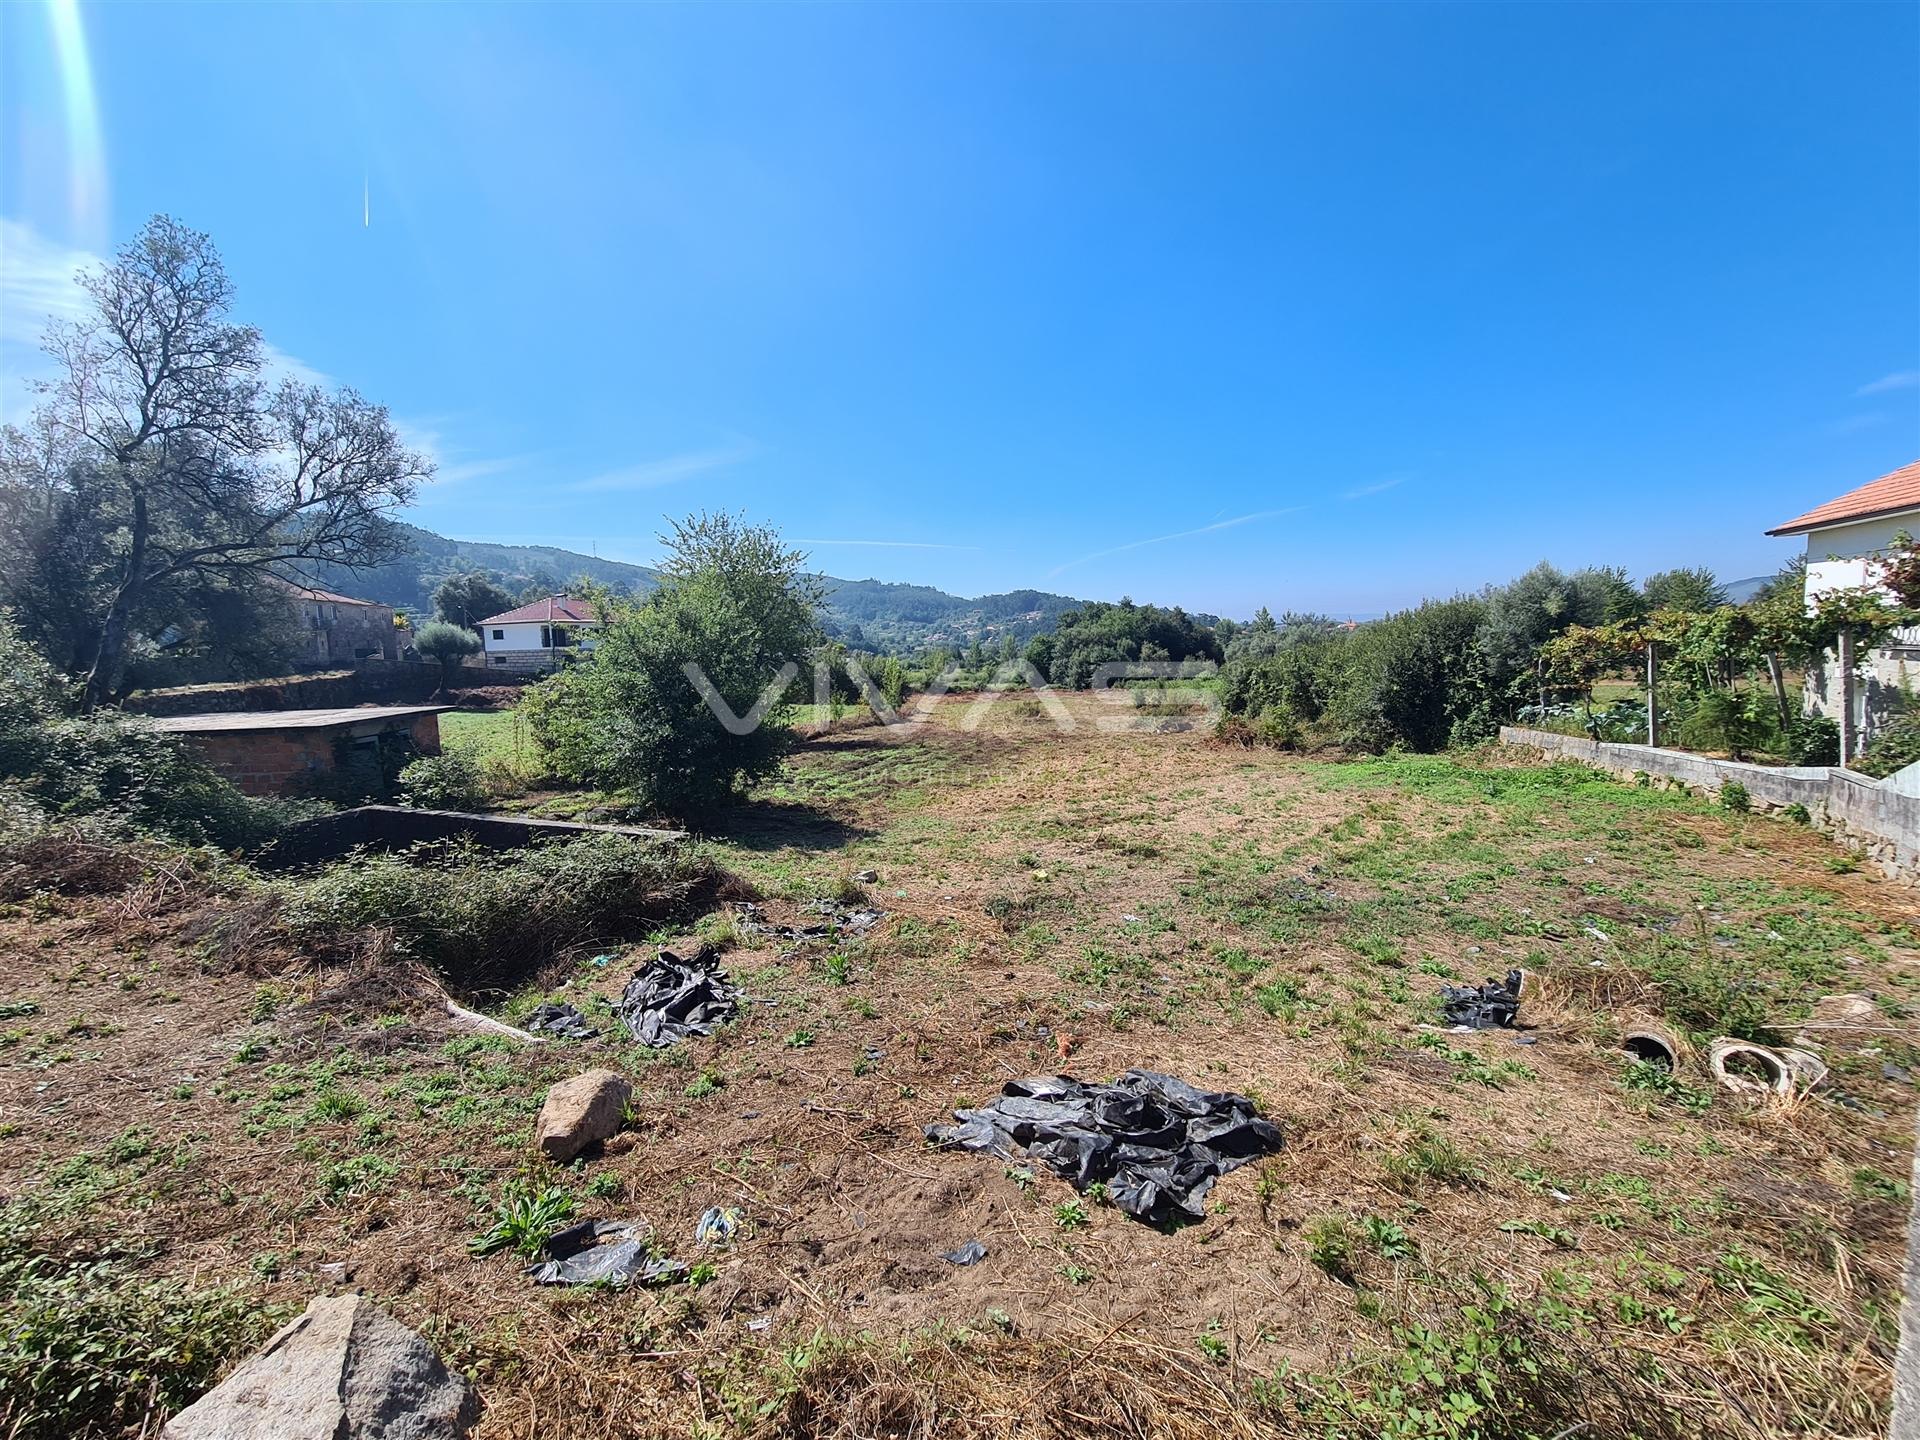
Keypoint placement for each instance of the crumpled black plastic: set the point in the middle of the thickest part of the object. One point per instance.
(562, 1020)
(1492, 1006)
(971, 1253)
(841, 920)
(669, 999)
(603, 1252)
(1157, 1143)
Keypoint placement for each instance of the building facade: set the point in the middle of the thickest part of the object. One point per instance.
(1845, 539)
(338, 632)
(538, 636)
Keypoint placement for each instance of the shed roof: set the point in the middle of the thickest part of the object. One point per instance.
(1892, 493)
(231, 720)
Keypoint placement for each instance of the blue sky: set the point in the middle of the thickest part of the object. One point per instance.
(1315, 307)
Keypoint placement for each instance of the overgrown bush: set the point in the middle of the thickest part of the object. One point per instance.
(451, 780)
(1894, 748)
(735, 609)
(90, 1348)
(114, 765)
(480, 914)
(1811, 740)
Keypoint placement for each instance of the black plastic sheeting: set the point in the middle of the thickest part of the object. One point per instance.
(1492, 1006)
(669, 999)
(971, 1253)
(603, 1252)
(1157, 1143)
(562, 1020)
(840, 920)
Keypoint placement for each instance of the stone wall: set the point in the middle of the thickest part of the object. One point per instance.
(1878, 818)
(405, 683)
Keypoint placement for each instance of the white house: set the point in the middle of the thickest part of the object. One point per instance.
(1844, 537)
(539, 635)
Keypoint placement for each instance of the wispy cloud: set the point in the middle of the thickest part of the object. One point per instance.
(1177, 535)
(669, 470)
(36, 286)
(1854, 424)
(889, 544)
(1361, 491)
(1898, 380)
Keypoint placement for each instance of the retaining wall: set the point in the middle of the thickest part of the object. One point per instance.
(1879, 818)
(403, 682)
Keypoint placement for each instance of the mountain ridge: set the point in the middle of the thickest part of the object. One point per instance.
(878, 614)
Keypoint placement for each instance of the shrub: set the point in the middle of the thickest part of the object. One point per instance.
(1894, 748)
(736, 608)
(477, 913)
(449, 644)
(89, 1348)
(1735, 797)
(450, 780)
(1811, 740)
(115, 766)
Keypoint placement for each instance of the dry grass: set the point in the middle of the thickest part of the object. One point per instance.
(1246, 920)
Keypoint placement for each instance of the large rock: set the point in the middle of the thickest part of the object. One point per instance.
(580, 1112)
(344, 1370)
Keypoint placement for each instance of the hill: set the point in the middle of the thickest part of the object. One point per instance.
(874, 614)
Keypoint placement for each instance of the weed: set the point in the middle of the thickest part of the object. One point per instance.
(839, 969)
(523, 1218)
(1429, 1156)
(1650, 1079)
(798, 1039)
(1070, 1215)
(1074, 1274)
(704, 1084)
(1330, 1244)
(1389, 1239)
(1020, 1176)
(1870, 1184)
(1213, 1347)
(1735, 797)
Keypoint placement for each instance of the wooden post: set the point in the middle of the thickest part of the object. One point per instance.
(1653, 702)
(1847, 737)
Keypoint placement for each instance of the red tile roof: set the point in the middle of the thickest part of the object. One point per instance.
(307, 592)
(1893, 492)
(540, 612)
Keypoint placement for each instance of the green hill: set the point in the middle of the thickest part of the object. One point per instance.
(865, 614)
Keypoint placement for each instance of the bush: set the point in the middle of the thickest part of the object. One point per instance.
(1894, 748)
(1811, 740)
(480, 914)
(1734, 797)
(735, 609)
(89, 1348)
(450, 780)
(117, 766)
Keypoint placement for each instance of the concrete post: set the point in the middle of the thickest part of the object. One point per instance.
(1653, 703)
(1847, 737)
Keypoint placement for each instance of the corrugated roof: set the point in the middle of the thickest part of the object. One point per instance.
(1893, 492)
(563, 608)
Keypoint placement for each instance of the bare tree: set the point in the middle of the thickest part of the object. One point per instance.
(215, 471)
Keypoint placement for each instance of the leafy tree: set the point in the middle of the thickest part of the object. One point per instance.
(1692, 592)
(735, 606)
(449, 644)
(1522, 616)
(191, 464)
(1099, 634)
(470, 598)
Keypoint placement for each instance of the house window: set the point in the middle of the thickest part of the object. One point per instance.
(499, 634)
(554, 637)
(499, 659)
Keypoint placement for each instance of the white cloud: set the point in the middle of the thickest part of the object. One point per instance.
(1898, 380)
(1178, 535)
(669, 470)
(1854, 424)
(1361, 491)
(36, 286)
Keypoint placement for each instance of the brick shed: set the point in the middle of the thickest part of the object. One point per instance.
(281, 752)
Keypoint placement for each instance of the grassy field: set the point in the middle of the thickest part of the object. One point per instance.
(1465, 1236)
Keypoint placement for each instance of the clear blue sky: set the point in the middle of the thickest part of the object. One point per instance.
(1428, 293)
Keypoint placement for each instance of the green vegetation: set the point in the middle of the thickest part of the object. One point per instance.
(737, 604)
(523, 1218)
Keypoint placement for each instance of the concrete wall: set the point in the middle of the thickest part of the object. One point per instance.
(1879, 818)
(1842, 557)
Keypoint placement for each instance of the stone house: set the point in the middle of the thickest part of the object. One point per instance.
(338, 632)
